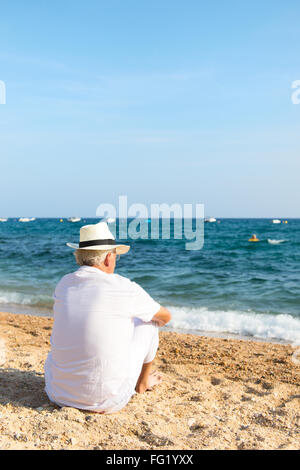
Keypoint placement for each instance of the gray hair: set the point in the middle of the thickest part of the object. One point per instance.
(91, 257)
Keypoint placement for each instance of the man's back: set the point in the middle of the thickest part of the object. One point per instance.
(93, 327)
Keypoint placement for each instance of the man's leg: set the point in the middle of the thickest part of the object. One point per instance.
(144, 348)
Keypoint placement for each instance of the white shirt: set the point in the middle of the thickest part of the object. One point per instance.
(88, 366)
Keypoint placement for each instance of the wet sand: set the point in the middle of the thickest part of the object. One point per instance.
(217, 394)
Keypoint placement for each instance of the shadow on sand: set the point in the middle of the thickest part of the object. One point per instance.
(22, 388)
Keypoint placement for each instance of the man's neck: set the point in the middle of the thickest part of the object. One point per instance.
(103, 268)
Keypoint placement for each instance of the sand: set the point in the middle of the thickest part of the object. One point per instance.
(217, 394)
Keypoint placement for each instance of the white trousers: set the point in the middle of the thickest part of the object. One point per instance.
(143, 348)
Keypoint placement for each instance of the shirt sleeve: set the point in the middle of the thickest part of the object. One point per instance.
(143, 306)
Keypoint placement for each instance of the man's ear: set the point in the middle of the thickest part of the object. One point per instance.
(106, 261)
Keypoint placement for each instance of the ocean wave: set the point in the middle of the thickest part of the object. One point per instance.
(258, 325)
(18, 298)
(264, 326)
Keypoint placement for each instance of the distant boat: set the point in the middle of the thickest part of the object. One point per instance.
(74, 219)
(3, 220)
(275, 242)
(26, 219)
(110, 220)
(210, 220)
(276, 221)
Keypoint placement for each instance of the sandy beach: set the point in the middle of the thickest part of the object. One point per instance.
(217, 394)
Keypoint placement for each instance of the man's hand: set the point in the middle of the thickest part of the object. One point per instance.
(162, 317)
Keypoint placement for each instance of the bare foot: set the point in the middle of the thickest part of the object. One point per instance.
(155, 378)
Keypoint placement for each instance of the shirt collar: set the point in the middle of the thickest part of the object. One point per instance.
(90, 269)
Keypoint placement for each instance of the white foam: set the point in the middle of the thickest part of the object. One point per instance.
(258, 325)
(24, 299)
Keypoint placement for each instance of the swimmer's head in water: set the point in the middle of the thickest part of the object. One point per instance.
(253, 238)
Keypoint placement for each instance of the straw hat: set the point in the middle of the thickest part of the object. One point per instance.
(98, 237)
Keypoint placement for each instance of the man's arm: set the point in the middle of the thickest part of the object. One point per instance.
(162, 317)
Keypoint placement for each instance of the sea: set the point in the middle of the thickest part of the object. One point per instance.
(229, 287)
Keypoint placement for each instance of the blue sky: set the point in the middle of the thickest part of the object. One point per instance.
(162, 101)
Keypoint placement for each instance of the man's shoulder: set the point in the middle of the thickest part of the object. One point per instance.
(127, 284)
(122, 281)
(83, 272)
(66, 279)
(115, 281)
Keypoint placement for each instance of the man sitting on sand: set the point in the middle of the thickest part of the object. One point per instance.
(105, 332)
